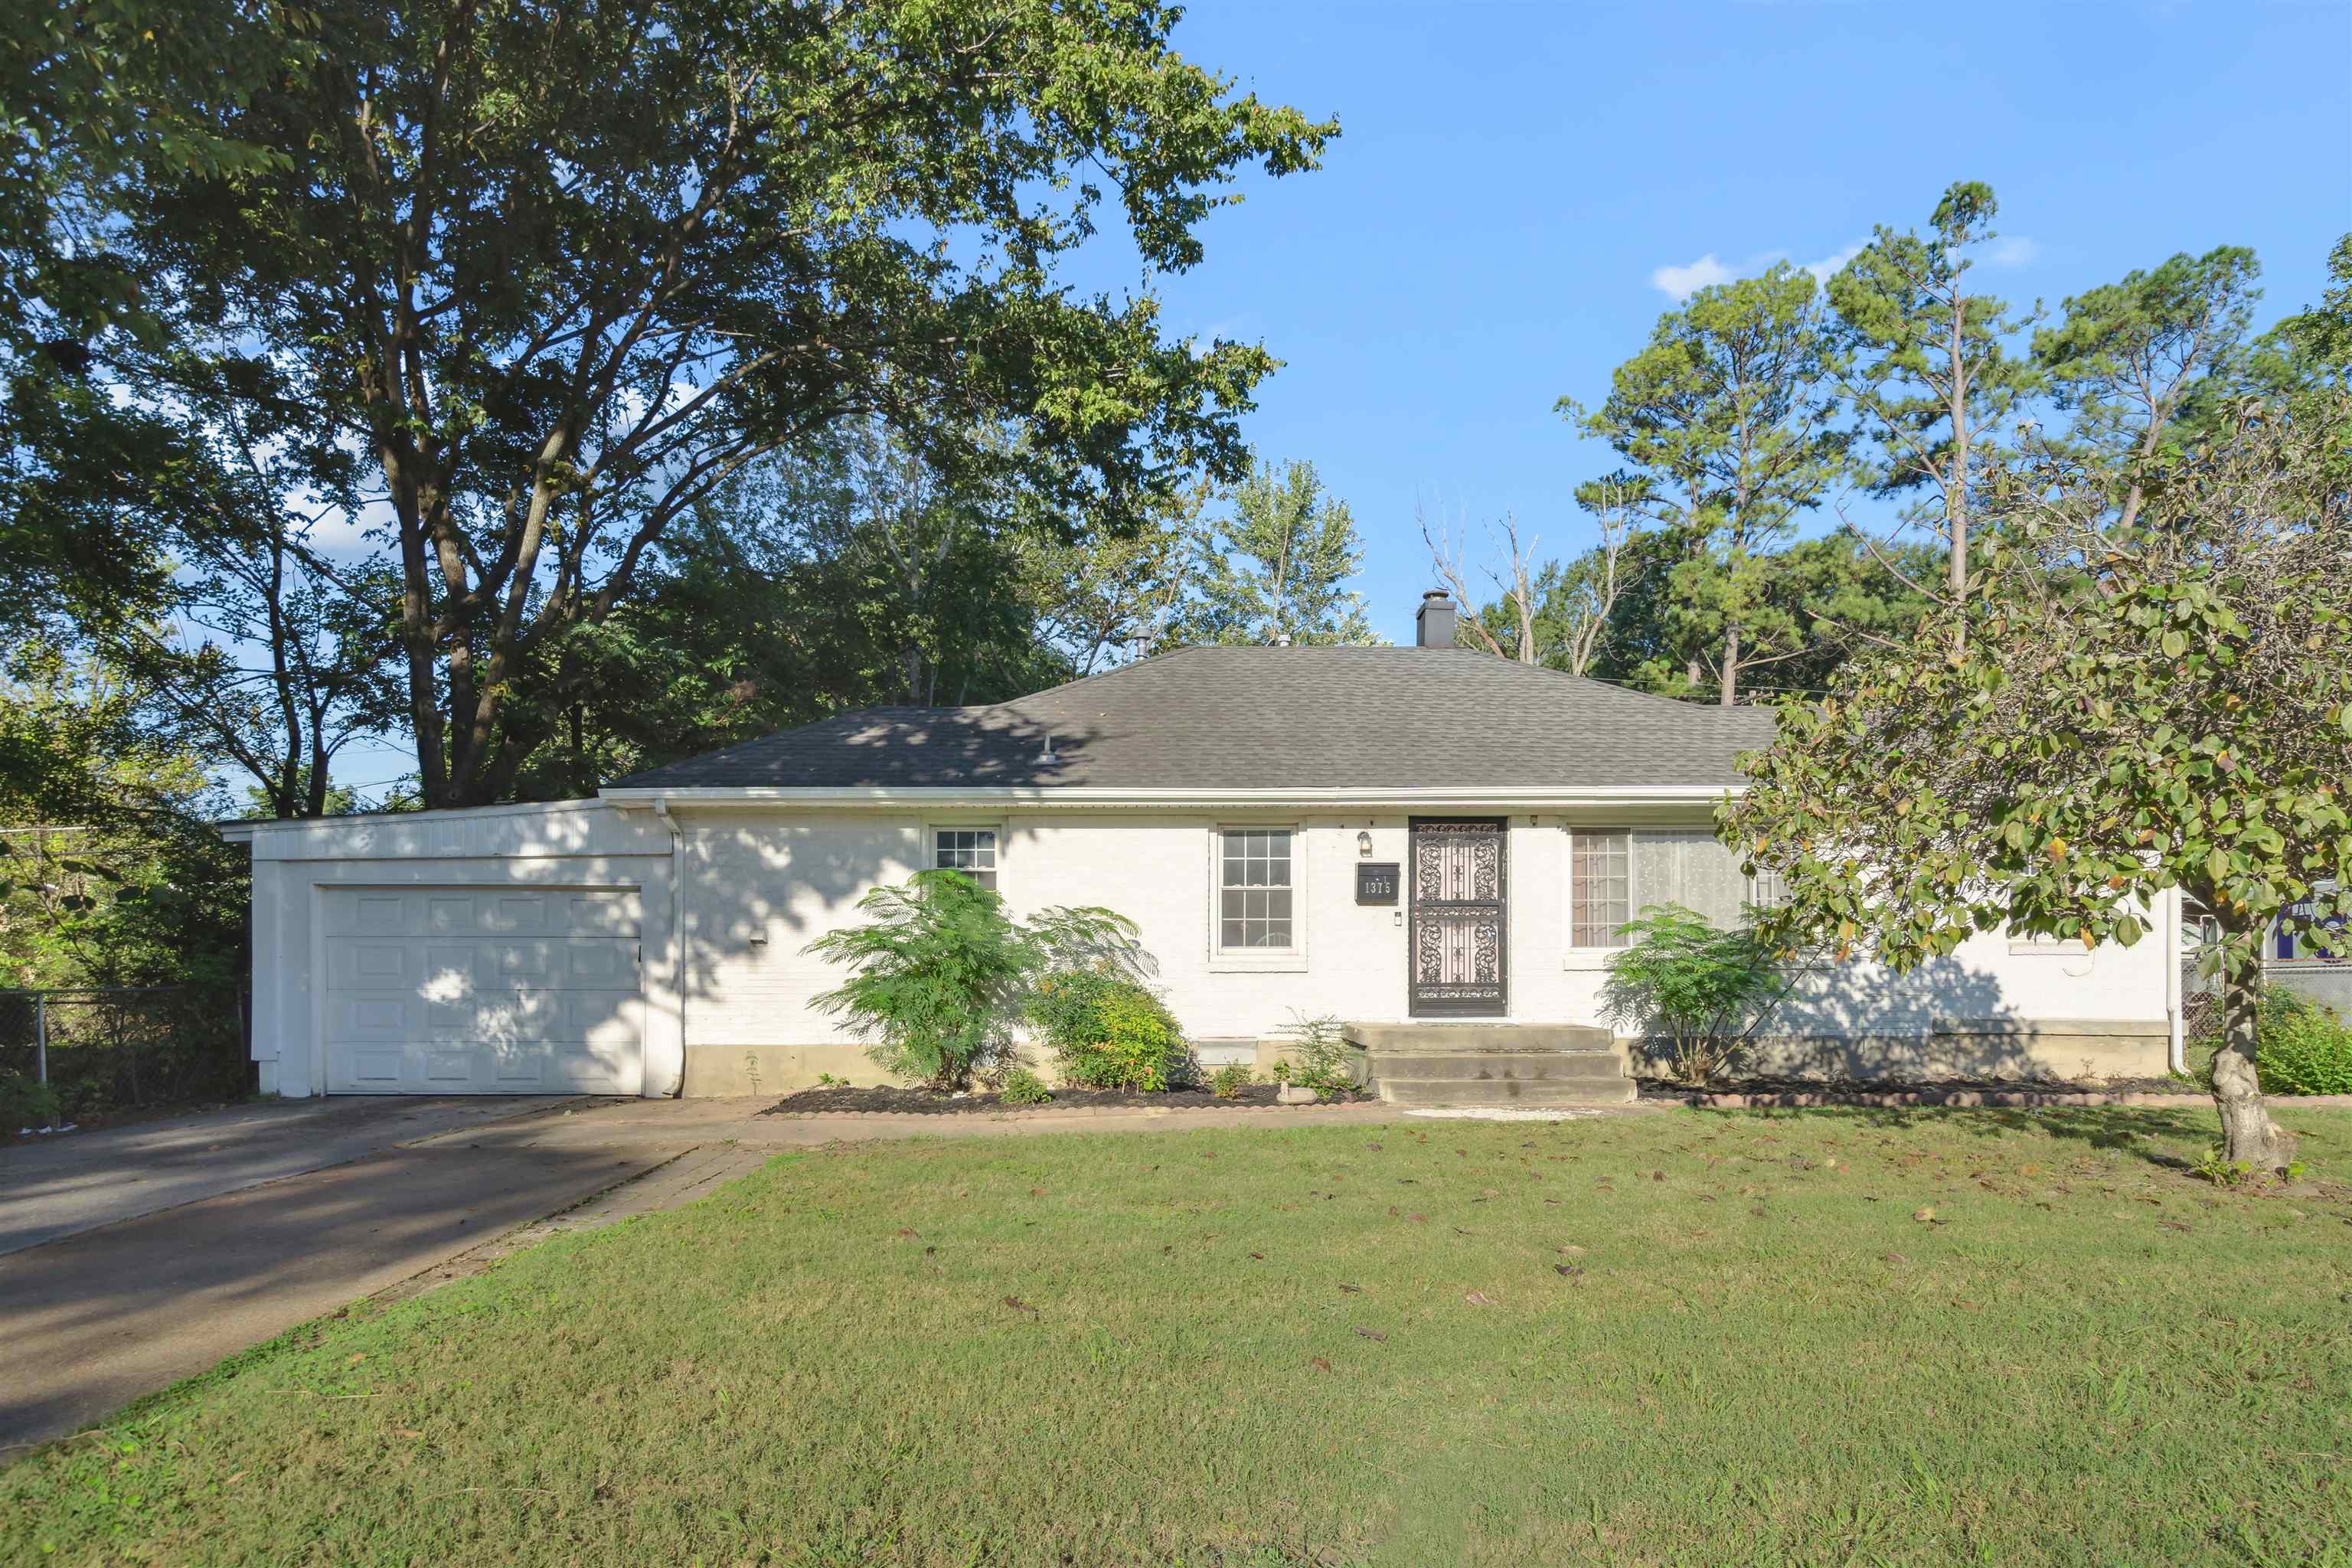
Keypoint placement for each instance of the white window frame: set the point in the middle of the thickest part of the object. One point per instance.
(1225, 960)
(934, 826)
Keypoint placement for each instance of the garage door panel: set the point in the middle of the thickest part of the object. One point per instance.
(451, 990)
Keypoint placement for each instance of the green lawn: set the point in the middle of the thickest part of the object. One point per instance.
(1689, 1337)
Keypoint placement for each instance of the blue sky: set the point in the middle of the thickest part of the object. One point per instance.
(1511, 180)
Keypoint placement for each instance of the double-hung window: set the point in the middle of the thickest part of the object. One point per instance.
(1599, 881)
(971, 850)
(1255, 889)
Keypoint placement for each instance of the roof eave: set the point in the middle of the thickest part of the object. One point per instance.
(1523, 797)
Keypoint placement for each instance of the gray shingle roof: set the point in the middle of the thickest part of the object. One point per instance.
(1264, 718)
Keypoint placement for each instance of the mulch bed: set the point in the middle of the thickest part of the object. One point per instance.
(1963, 1092)
(883, 1100)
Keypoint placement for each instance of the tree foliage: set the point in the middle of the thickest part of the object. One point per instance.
(542, 278)
(2130, 711)
(1728, 418)
(1275, 567)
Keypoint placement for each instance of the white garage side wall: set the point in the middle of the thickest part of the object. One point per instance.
(760, 883)
(582, 844)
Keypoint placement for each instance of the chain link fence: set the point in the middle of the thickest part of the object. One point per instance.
(125, 1047)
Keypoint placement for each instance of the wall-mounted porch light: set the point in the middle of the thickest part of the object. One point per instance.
(1364, 844)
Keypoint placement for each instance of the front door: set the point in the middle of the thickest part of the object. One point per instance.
(1461, 933)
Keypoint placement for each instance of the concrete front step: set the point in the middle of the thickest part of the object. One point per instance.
(1474, 1065)
(1483, 1093)
(1452, 1039)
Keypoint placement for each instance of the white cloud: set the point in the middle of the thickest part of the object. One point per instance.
(1679, 284)
(2014, 251)
(1833, 263)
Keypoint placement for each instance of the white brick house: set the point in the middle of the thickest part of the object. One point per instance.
(1383, 835)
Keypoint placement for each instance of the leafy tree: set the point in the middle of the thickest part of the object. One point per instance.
(248, 637)
(109, 874)
(1726, 418)
(99, 94)
(1102, 598)
(939, 972)
(1925, 364)
(557, 271)
(1274, 568)
(835, 576)
(2148, 363)
(2131, 711)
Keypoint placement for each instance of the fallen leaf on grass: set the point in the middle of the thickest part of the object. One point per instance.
(1895, 1257)
(1657, 1175)
(406, 1432)
(1353, 1290)
(357, 1357)
(903, 1233)
(1018, 1305)
(1567, 1270)
(1925, 1216)
(1318, 1363)
(235, 1479)
(1373, 1146)
(1374, 1335)
(1037, 1192)
(1571, 1251)
(1259, 1256)
(1418, 1218)
(2173, 1225)
(1480, 1298)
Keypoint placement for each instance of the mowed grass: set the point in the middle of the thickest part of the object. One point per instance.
(1685, 1337)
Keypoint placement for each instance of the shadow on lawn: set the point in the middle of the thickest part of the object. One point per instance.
(2130, 1129)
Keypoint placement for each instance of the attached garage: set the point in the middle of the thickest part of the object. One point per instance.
(511, 950)
(484, 990)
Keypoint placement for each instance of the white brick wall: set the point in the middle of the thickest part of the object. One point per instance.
(793, 877)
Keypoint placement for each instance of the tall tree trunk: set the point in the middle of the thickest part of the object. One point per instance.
(1955, 490)
(1729, 696)
(2248, 1133)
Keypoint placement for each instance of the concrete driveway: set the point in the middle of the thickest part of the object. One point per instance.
(147, 1255)
(67, 1182)
(144, 1255)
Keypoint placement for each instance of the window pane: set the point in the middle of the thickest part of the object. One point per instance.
(1254, 905)
(1598, 889)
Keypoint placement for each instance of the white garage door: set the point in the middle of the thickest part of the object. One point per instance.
(483, 991)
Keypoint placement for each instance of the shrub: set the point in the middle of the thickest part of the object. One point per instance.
(1228, 1081)
(1107, 1031)
(1021, 1086)
(2302, 1047)
(940, 971)
(1319, 1058)
(1703, 989)
(26, 1102)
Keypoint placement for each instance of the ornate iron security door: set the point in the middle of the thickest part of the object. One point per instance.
(1461, 926)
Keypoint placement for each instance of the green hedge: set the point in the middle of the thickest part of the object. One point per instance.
(2304, 1047)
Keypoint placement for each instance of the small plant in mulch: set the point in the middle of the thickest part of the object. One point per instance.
(1021, 1086)
(1318, 1058)
(1229, 1081)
